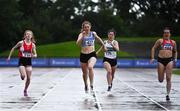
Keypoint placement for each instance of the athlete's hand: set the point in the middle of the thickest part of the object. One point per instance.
(174, 62)
(112, 44)
(105, 49)
(8, 59)
(151, 61)
(83, 33)
(34, 55)
(97, 54)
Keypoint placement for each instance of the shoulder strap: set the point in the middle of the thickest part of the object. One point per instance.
(113, 41)
(164, 41)
(172, 43)
(91, 34)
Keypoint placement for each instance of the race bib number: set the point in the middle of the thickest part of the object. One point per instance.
(89, 43)
(168, 47)
(110, 54)
(26, 54)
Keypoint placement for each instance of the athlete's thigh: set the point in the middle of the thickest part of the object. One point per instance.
(92, 62)
(169, 69)
(107, 66)
(161, 71)
(22, 70)
(28, 71)
(84, 67)
(114, 69)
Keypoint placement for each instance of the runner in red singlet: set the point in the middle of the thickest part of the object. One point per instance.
(166, 55)
(27, 50)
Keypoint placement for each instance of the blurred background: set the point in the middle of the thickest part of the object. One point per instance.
(57, 23)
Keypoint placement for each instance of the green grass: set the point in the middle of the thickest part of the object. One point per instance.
(65, 49)
(142, 39)
(176, 71)
(70, 49)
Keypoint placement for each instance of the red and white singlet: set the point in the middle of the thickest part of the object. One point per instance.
(25, 50)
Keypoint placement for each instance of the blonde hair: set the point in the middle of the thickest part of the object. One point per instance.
(32, 39)
(85, 22)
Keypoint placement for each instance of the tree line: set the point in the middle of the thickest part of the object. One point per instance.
(60, 20)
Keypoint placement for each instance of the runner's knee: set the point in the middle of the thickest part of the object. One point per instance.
(109, 72)
(90, 67)
(84, 74)
(168, 79)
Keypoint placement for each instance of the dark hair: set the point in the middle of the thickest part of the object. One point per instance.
(167, 28)
(112, 30)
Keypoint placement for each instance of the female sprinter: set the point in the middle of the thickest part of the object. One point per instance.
(27, 50)
(110, 57)
(167, 53)
(88, 56)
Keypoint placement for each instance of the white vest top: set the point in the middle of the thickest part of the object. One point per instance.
(111, 52)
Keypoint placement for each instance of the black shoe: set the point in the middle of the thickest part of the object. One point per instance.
(167, 98)
(86, 89)
(22, 77)
(25, 93)
(109, 88)
(111, 85)
(91, 87)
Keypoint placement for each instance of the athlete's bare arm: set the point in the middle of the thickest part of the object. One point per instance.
(34, 51)
(116, 45)
(156, 45)
(175, 51)
(80, 37)
(12, 50)
(99, 39)
(99, 50)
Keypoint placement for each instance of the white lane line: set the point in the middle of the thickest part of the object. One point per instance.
(97, 102)
(35, 105)
(143, 95)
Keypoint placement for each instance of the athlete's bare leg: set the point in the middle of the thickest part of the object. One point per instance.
(169, 68)
(28, 79)
(113, 72)
(84, 67)
(91, 64)
(107, 66)
(161, 71)
(22, 71)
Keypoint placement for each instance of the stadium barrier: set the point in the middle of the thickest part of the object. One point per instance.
(74, 62)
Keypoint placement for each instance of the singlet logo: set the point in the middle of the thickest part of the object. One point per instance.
(110, 48)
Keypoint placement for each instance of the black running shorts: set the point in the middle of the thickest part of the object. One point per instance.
(112, 62)
(85, 57)
(23, 61)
